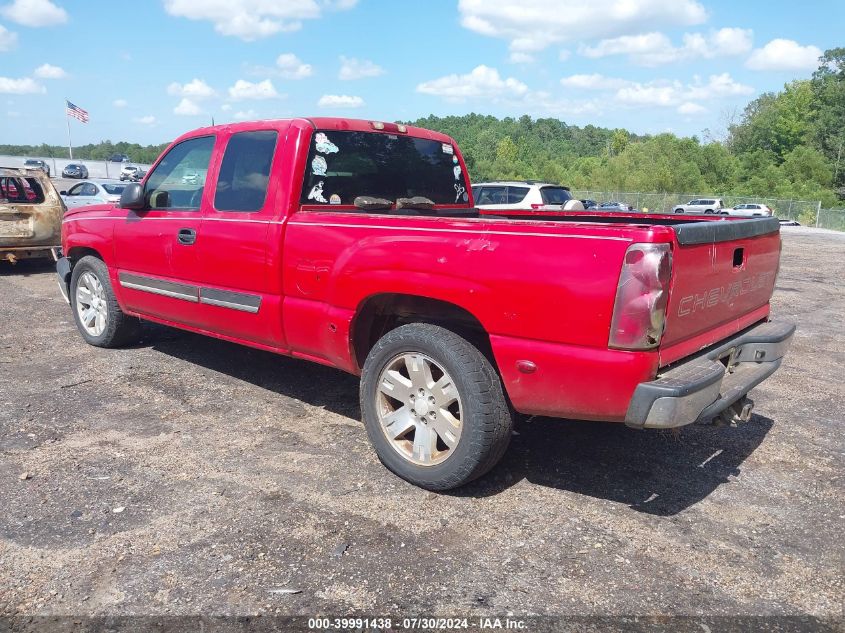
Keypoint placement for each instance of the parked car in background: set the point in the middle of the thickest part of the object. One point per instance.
(748, 210)
(701, 205)
(614, 206)
(93, 192)
(589, 204)
(128, 172)
(118, 158)
(37, 163)
(30, 214)
(75, 170)
(138, 176)
(191, 178)
(524, 194)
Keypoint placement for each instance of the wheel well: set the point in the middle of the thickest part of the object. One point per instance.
(381, 313)
(78, 252)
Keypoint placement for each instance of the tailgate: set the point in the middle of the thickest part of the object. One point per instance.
(723, 277)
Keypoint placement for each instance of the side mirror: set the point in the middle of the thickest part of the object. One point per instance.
(132, 197)
(63, 193)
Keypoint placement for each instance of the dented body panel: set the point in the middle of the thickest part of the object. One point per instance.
(300, 279)
(31, 213)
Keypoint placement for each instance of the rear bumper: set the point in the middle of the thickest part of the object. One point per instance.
(704, 386)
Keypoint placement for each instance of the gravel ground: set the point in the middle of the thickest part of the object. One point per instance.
(187, 475)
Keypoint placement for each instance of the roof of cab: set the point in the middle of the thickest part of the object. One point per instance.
(319, 123)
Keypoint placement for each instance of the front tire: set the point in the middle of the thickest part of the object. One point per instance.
(434, 407)
(96, 312)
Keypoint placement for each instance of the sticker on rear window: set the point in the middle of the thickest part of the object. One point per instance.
(334, 199)
(319, 166)
(448, 149)
(324, 145)
(460, 191)
(457, 171)
(317, 193)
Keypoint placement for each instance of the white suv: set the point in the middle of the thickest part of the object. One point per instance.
(701, 205)
(524, 194)
(748, 210)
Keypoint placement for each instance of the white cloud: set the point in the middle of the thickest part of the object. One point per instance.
(481, 82)
(34, 13)
(48, 71)
(245, 115)
(553, 21)
(22, 86)
(340, 101)
(518, 57)
(641, 44)
(195, 89)
(252, 19)
(689, 107)
(248, 90)
(781, 54)
(653, 49)
(351, 68)
(8, 39)
(186, 107)
(146, 120)
(120, 103)
(593, 82)
(291, 67)
(674, 93)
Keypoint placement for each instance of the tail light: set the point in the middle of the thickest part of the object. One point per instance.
(639, 313)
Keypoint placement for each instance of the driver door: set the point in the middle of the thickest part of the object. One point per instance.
(156, 248)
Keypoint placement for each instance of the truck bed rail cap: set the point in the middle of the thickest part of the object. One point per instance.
(724, 230)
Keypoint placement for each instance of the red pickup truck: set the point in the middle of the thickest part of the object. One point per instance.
(356, 244)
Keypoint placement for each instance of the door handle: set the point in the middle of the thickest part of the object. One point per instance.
(187, 236)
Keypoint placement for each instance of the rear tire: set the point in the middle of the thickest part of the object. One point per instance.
(679, 210)
(96, 312)
(434, 407)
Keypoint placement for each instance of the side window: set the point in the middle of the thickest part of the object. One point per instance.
(517, 194)
(492, 195)
(88, 189)
(245, 171)
(178, 180)
(76, 190)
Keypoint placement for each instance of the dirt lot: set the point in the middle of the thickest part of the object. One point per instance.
(188, 475)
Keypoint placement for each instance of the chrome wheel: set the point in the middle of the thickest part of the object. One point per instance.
(91, 304)
(419, 409)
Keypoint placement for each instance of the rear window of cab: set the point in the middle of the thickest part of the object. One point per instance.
(343, 165)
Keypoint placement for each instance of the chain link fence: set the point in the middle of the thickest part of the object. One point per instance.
(807, 212)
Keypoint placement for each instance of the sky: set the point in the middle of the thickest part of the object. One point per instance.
(149, 70)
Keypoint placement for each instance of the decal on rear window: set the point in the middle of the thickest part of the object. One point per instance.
(319, 166)
(324, 145)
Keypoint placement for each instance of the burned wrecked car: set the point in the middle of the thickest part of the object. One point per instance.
(30, 215)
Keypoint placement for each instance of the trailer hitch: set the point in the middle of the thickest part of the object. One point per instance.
(739, 411)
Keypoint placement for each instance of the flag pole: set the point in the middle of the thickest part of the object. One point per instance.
(67, 119)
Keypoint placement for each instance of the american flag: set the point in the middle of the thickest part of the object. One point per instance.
(76, 112)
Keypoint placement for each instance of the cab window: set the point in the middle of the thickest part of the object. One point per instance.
(177, 182)
(245, 171)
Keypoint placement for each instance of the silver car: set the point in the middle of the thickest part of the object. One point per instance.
(92, 192)
(701, 205)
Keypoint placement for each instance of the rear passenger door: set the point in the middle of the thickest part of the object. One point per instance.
(239, 297)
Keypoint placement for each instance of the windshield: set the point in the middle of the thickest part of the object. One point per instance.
(344, 165)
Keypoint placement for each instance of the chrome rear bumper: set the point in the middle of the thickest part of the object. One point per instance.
(704, 386)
